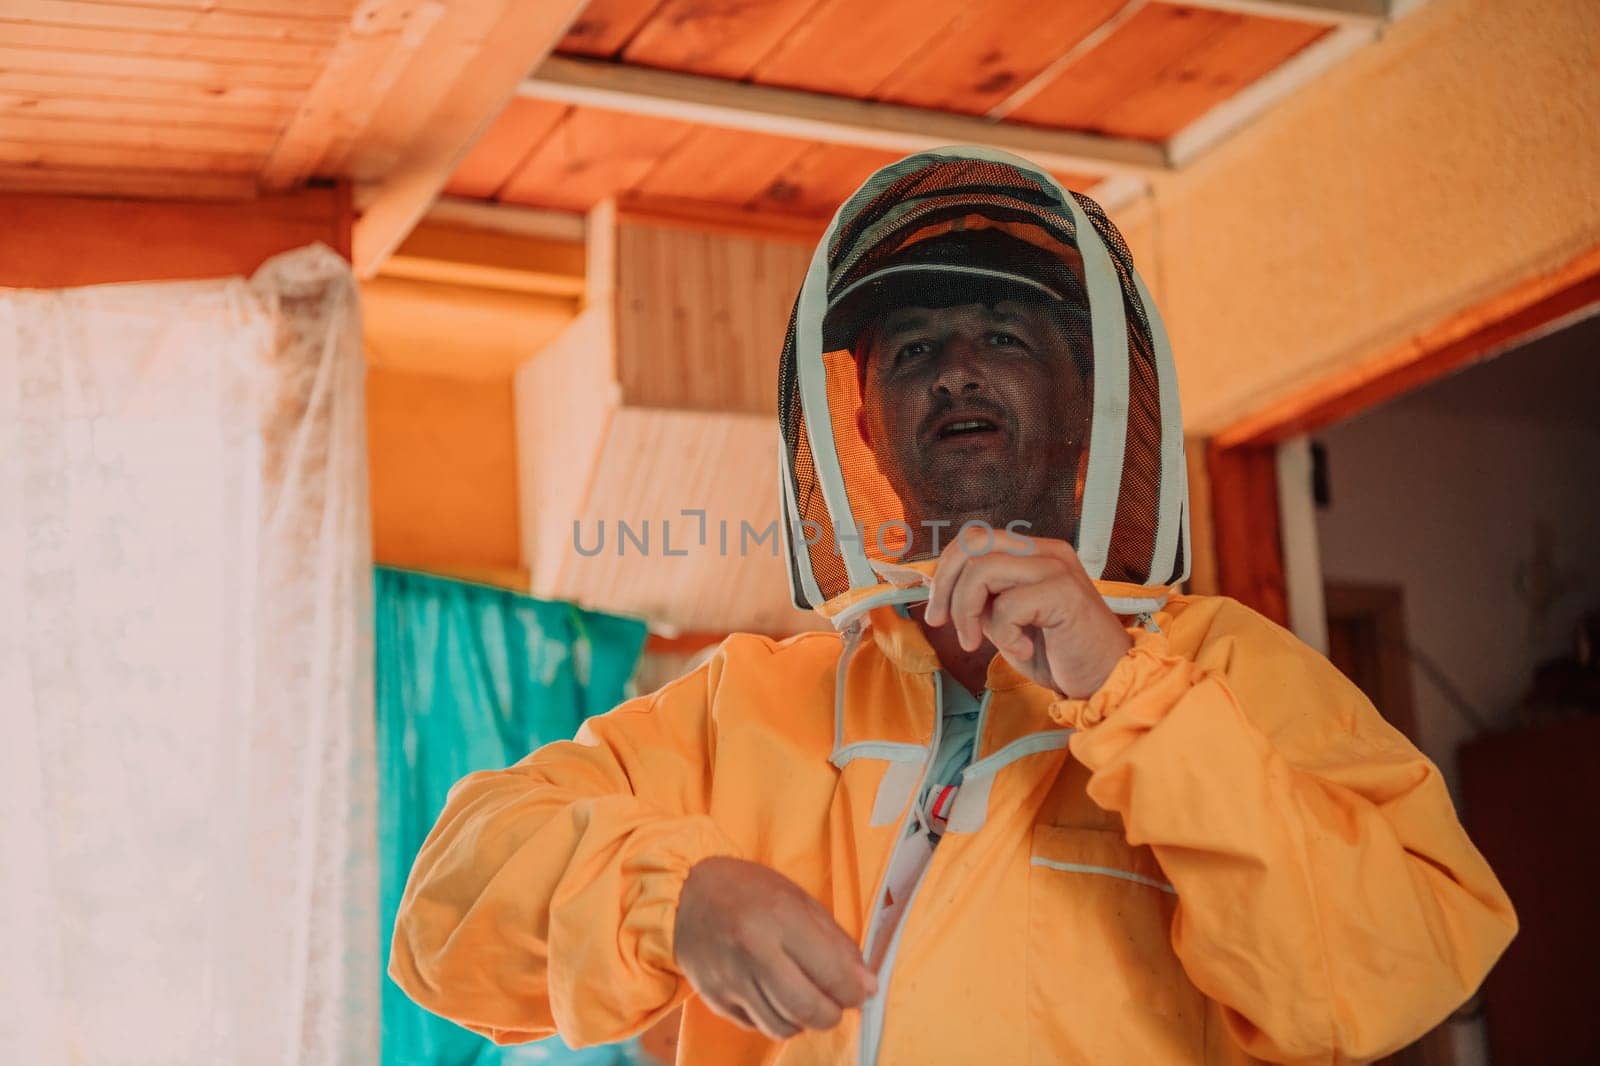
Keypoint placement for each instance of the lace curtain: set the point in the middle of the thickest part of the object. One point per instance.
(188, 841)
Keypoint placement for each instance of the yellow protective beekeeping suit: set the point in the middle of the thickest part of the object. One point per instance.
(1224, 854)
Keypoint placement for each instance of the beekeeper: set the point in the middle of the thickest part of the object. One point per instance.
(1027, 803)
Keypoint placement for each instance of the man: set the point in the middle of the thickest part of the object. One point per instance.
(1050, 811)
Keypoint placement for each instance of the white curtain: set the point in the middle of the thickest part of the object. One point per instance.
(187, 852)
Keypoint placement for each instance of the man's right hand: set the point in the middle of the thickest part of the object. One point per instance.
(764, 954)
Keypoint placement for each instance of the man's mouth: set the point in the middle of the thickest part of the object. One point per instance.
(964, 426)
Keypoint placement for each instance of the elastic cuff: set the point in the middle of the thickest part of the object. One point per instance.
(1138, 667)
(661, 870)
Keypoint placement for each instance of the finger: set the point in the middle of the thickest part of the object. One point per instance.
(796, 997)
(768, 1021)
(945, 573)
(832, 962)
(1007, 622)
(982, 579)
(731, 1011)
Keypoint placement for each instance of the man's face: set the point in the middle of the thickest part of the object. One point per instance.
(978, 412)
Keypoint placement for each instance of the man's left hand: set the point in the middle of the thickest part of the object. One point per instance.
(1032, 599)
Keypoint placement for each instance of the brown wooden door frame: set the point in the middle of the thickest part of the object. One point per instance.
(1241, 460)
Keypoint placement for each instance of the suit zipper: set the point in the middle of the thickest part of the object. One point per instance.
(872, 1011)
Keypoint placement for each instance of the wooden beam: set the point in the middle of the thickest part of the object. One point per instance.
(144, 184)
(1342, 12)
(829, 119)
(380, 39)
(508, 219)
(726, 221)
(518, 37)
(454, 255)
(61, 241)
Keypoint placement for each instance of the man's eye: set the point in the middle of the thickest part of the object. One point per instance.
(1003, 340)
(915, 350)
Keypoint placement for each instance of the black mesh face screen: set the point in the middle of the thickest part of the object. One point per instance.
(965, 392)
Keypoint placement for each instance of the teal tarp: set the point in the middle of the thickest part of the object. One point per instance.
(474, 678)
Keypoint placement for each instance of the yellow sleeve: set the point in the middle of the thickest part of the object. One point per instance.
(543, 900)
(1328, 897)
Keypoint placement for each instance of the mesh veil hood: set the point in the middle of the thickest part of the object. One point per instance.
(845, 528)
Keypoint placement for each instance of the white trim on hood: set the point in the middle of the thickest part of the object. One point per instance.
(1108, 430)
(1170, 520)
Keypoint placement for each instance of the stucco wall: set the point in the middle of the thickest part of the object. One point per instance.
(442, 457)
(1453, 158)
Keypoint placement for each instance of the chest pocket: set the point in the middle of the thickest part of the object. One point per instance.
(1104, 984)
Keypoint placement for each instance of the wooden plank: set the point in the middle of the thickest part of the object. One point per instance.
(564, 399)
(124, 157)
(496, 61)
(397, 120)
(140, 112)
(17, 34)
(703, 217)
(1156, 39)
(590, 156)
(717, 38)
(360, 70)
(125, 134)
(720, 166)
(298, 9)
(59, 241)
(848, 48)
(812, 116)
(515, 134)
(91, 87)
(606, 26)
(204, 21)
(986, 55)
(143, 184)
(820, 180)
(653, 463)
(1205, 77)
(701, 316)
(158, 68)
(1081, 47)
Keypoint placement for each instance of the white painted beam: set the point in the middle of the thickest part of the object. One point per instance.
(1302, 558)
(1249, 103)
(1347, 12)
(830, 119)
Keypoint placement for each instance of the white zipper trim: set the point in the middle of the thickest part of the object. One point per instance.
(1104, 871)
(872, 1011)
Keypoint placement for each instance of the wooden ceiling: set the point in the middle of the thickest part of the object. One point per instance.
(731, 103)
(222, 99)
(1118, 70)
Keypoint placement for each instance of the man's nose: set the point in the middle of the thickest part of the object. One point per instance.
(960, 367)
